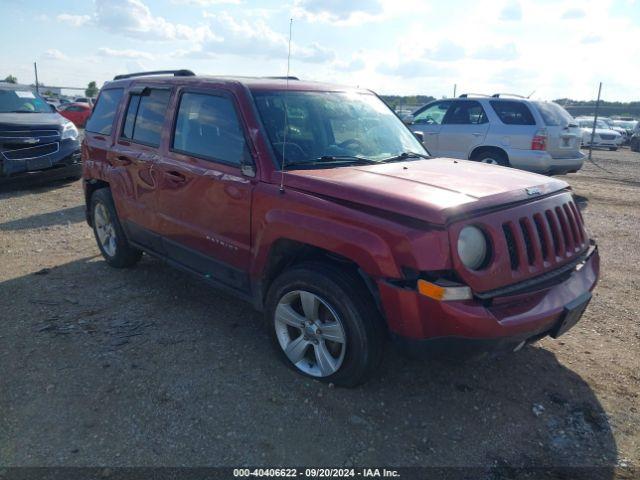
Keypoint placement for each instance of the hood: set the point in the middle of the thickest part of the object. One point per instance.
(602, 131)
(432, 190)
(32, 120)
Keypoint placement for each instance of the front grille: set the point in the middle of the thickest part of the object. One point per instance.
(31, 152)
(545, 238)
(9, 135)
(605, 136)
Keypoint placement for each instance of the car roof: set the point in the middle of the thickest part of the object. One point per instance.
(252, 83)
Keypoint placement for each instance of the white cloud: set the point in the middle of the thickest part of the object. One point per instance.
(256, 38)
(504, 52)
(206, 3)
(415, 69)
(54, 54)
(74, 20)
(110, 52)
(353, 65)
(341, 13)
(511, 12)
(592, 38)
(446, 51)
(573, 14)
(133, 18)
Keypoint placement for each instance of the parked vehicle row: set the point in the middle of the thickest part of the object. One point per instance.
(603, 135)
(317, 205)
(503, 130)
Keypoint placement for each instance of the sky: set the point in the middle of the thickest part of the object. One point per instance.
(555, 49)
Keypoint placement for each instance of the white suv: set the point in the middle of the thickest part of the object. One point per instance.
(506, 130)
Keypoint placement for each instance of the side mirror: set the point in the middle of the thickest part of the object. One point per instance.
(419, 136)
(408, 120)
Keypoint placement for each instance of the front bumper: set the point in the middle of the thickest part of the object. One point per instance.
(64, 162)
(543, 162)
(426, 327)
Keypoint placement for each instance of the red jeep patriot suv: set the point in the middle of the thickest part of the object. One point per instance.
(315, 203)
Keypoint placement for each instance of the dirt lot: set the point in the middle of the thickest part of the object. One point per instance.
(150, 367)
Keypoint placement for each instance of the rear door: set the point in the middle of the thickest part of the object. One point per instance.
(428, 120)
(563, 133)
(464, 126)
(133, 157)
(204, 199)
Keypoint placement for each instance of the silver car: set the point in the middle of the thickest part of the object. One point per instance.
(502, 129)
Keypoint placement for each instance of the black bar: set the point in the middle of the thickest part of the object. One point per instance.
(176, 73)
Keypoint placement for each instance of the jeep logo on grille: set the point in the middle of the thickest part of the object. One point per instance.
(533, 191)
(31, 140)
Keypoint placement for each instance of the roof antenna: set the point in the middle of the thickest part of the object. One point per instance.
(286, 116)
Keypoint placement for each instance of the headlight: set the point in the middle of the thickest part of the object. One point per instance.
(473, 248)
(69, 131)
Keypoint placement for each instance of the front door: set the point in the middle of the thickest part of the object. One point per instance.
(428, 120)
(204, 199)
(463, 127)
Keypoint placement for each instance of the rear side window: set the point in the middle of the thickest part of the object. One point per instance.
(145, 116)
(207, 126)
(101, 120)
(513, 113)
(553, 114)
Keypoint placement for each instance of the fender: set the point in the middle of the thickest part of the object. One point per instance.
(368, 250)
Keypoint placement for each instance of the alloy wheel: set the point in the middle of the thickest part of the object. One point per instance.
(105, 229)
(310, 333)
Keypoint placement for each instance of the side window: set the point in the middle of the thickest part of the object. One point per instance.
(101, 120)
(433, 114)
(465, 113)
(208, 126)
(145, 116)
(513, 113)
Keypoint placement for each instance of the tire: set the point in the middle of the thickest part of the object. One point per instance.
(492, 157)
(335, 297)
(110, 236)
(613, 149)
(635, 146)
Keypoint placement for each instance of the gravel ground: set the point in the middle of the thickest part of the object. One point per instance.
(150, 367)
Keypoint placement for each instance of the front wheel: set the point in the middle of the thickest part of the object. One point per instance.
(325, 324)
(112, 242)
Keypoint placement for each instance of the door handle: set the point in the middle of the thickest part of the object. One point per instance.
(175, 177)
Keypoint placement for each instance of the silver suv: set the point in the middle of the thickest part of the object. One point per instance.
(501, 129)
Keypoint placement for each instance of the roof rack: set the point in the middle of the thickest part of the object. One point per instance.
(290, 77)
(498, 95)
(466, 95)
(176, 73)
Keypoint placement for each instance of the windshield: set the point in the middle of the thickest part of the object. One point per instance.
(333, 128)
(22, 101)
(589, 124)
(553, 114)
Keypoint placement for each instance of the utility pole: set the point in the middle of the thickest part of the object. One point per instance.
(35, 67)
(455, 87)
(595, 119)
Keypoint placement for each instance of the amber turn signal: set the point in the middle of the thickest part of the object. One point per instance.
(440, 293)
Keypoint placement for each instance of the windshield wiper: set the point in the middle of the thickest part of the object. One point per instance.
(326, 160)
(345, 158)
(404, 156)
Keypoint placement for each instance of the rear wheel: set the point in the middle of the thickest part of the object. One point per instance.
(325, 324)
(492, 157)
(112, 242)
(613, 149)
